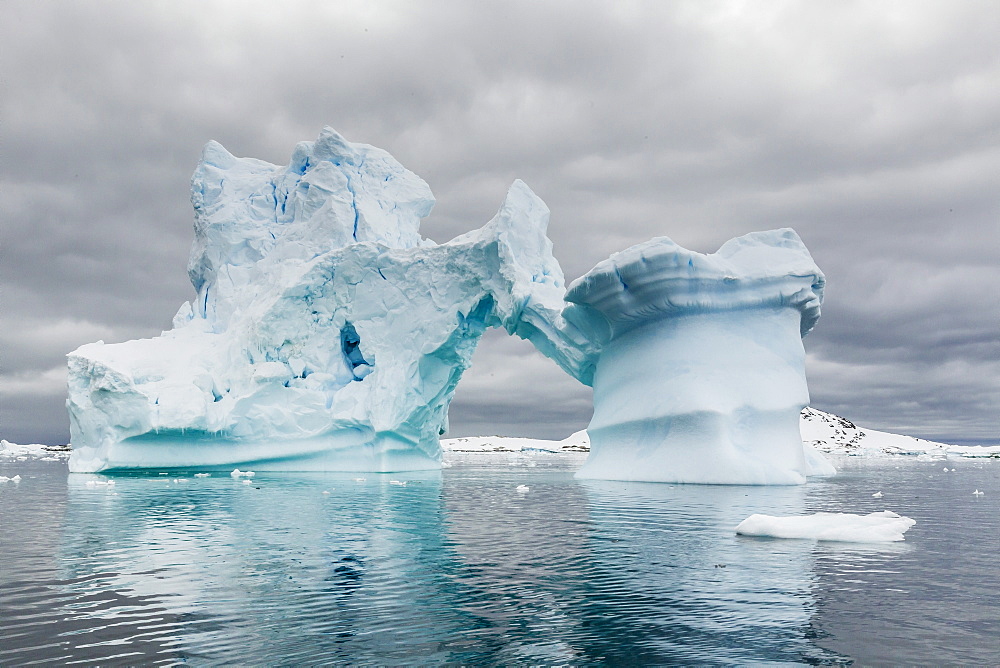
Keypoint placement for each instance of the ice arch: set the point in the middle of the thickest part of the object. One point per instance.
(327, 334)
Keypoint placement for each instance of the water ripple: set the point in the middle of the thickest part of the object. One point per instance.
(460, 567)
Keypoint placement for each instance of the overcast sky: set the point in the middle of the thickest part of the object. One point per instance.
(872, 128)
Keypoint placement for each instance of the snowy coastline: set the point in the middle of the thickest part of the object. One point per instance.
(828, 433)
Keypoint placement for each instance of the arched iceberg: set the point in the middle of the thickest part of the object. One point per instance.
(327, 334)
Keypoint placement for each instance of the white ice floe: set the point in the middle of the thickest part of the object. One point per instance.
(202, 475)
(4, 478)
(523, 489)
(23, 452)
(242, 474)
(978, 493)
(882, 527)
(877, 495)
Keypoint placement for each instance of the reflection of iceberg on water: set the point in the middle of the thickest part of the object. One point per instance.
(683, 581)
(227, 572)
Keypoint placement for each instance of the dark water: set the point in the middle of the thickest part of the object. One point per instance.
(460, 567)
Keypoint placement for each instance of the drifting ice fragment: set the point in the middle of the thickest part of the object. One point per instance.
(883, 527)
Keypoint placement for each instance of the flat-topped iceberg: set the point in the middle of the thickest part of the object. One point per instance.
(326, 333)
(700, 373)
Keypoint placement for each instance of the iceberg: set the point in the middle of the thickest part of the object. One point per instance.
(326, 333)
(697, 361)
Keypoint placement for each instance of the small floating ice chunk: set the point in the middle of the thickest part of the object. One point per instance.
(883, 527)
(401, 483)
(359, 479)
(202, 475)
(523, 489)
(978, 493)
(325, 491)
(242, 474)
(247, 482)
(4, 478)
(877, 495)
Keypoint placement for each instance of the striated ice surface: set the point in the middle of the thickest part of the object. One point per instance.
(699, 376)
(326, 334)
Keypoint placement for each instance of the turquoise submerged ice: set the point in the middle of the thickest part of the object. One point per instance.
(326, 334)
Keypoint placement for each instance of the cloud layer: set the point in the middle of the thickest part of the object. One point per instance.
(869, 127)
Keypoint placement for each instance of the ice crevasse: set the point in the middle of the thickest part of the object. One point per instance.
(327, 334)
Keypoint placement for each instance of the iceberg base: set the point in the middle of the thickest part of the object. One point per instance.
(698, 448)
(346, 450)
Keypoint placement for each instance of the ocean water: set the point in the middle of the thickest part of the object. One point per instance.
(461, 567)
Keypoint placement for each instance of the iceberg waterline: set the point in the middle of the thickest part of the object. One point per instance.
(327, 334)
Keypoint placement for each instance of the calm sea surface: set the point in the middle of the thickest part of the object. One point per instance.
(461, 567)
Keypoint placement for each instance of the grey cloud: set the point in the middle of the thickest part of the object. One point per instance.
(868, 128)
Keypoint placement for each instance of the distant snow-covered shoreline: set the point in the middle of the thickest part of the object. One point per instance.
(828, 433)
(10, 450)
(834, 435)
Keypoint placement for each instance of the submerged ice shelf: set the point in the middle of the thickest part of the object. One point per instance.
(327, 334)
